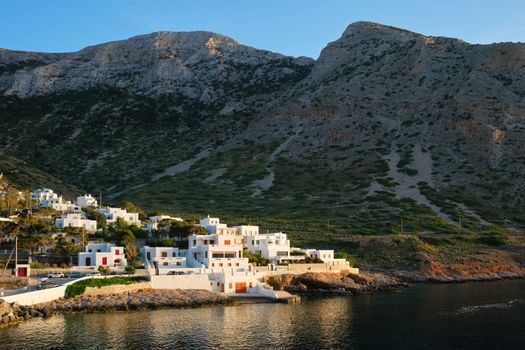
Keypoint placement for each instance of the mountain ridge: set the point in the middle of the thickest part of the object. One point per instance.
(386, 123)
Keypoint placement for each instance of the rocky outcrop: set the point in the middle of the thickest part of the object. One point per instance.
(12, 313)
(146, 299)
(335, 283)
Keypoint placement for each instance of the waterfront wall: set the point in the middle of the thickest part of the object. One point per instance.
(37, 296)
(181, 282)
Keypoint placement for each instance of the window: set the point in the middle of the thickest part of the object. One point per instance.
(212, 241)
(206, 255)
(282, 253)
(179, 263)
(230, 284)
(220, 264)
(218, 284)
(165, 263)
(236, 264)
(251, 285)
(229, 264)
(206, 241)
(174, 254)
(98, 250)
(163, 254)
(257, 242)
(227, 242)
(194, 242)
(253, 242)
(212, 264)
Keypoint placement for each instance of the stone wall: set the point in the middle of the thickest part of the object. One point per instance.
(117, 289)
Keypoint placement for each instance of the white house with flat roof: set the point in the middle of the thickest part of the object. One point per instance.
(47, 198)
(76, 220)
(322, 254)
(86, 201)
(112, 214)
(273, 246)
(41, 195)
(215, 251)
(163, 259)
(102, 254)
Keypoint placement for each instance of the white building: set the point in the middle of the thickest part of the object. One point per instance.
(86, 201)
(273, 246)
(163, 259)
(112, 214)
(324, 255)
(42, 195)
(76, 220)
(45, 197)
(102, 254)
(154, 221)
(216, 251)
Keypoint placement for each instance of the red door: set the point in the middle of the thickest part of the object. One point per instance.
(104, 261)
(22, 271)
(240, 287)
(88, 261)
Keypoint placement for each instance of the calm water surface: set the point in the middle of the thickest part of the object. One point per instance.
(485, 315)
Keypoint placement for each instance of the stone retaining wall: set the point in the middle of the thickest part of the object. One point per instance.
(116, 289)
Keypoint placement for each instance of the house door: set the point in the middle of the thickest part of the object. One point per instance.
(22, 272)
(222, 287)
(104, 261)
(148, 255)
(240, 287)
(88, 261)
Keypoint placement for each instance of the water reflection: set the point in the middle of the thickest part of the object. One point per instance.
(424, 316)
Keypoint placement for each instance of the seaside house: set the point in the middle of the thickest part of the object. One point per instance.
(163, 259)
(102, 254)
(273, 246)
(112, 214)
(76, 220)
(215, 251)
(86, 201)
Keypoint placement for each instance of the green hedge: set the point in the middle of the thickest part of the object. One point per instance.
(79, 287)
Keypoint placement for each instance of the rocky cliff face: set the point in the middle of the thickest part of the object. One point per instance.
(200, 65)
(386, 124)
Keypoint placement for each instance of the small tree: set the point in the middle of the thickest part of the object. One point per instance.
(104, 270)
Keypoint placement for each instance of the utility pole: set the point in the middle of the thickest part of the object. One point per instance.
(16, 254)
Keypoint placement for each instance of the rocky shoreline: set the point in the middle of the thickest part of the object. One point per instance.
(336, 283)
(143, 299)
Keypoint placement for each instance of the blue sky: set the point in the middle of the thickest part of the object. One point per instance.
(293, 27)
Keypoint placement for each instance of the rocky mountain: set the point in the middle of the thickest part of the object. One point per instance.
(386, 131)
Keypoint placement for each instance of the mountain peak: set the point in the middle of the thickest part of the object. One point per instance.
(362, 27)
